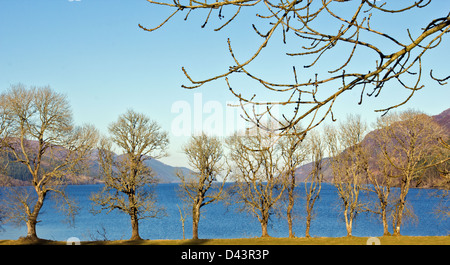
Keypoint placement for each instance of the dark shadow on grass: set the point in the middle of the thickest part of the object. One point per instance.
(147, 242)
(195, 242)
(117, 242)
(25, 241)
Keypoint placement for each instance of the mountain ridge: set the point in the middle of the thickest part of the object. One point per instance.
(163, 172)
(301, 173)
(18, 175)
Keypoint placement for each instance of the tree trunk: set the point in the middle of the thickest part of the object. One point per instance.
(289, 217)
(385, 223)
(289, 213)
(134, 220)
(31, 229)
(401, 206)
(308, 225)
(32, 218)
(182, 226)
(264, 223)
(348, 222)
(264, 230)
(195, 221)
(398, 219)
(194, 229)
(135, 228)
(349, 229)
(291, 203)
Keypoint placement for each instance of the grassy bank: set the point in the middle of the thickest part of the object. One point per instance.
(389, 240)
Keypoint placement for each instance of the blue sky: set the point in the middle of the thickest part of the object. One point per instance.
(94, 52)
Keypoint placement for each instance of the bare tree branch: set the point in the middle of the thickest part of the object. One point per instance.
(300, 20)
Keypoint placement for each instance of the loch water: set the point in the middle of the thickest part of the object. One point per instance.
(221, 221)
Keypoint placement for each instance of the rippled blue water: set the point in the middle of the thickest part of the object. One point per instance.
(221, 222)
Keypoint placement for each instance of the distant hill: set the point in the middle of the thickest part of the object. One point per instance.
(18, 174)
(302, 172)
(443, 119)
(164, 172)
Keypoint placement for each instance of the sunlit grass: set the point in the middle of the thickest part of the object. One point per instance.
(385, 240)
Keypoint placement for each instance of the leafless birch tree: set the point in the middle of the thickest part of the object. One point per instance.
(378, 172)
(293, 152)
(346, 158)
(411, 146)
(443, 169)
(375, 57)
(128, 181)
(40, 135)
(313, 182)
(205, 155)
(256, 170)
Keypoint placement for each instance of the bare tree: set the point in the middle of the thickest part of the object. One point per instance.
(4, 125)
(411, 146)
(183, 215)
(365, 55)
(443, 170)
(256, 170)
(205, 156)
(41, 136)
(129, 182)
(293, 152)
(344, 147)
(313, 182)
(4, 161)
(378, 172)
